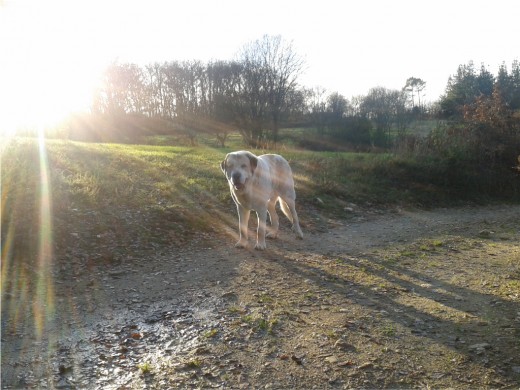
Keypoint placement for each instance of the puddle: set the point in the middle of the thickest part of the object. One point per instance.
(112, 352)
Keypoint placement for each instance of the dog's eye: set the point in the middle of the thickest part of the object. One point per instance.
(244, 166)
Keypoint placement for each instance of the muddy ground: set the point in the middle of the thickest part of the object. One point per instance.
(422, 299)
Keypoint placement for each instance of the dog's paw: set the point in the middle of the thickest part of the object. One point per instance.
(241, 244)
(272, 235)
(260, 247)
(298, 232)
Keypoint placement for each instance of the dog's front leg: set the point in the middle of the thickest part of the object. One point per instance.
(243, 223)
(260, 233)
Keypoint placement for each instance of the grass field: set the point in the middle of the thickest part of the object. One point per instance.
(147, 187)
(188, 180)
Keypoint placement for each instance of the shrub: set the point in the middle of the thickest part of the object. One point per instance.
(475, 154)
(492, 129)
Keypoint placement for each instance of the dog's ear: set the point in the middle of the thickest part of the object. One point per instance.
(253, 160)
(223, 165)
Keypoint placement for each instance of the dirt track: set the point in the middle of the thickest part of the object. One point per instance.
(410, 299)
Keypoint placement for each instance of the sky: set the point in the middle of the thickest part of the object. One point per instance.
(53, 51)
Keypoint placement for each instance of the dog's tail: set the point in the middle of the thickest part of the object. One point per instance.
(285, 209)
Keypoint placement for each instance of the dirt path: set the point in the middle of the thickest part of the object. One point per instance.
(414, 299)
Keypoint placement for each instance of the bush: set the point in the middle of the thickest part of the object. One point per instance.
(352, 130)
(474, 156)
(493, 131)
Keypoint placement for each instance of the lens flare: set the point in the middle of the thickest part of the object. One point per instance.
(43, 304)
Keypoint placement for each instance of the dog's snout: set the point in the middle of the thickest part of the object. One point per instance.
(235, 177)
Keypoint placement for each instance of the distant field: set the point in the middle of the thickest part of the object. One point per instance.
(424, 127)
(288, 137)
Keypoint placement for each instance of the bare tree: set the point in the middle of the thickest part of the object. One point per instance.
(383, 106)
(271, 68)
(317, 104)
(254, 94)
(160, 99)
(223, 80)
(337, 105)
(122, 90)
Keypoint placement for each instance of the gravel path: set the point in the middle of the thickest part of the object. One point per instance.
(411, 299)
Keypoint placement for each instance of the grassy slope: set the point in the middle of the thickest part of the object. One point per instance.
(131, 191)
(183, 187)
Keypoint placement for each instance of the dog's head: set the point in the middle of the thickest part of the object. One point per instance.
(239, 167)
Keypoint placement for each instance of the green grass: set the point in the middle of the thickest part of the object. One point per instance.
(145, 368)
(194, 363)
(210, 333)
(160, 191)
(107, 198)
(259, 323)
(115, 176)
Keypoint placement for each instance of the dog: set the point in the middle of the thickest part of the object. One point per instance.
(257, 183)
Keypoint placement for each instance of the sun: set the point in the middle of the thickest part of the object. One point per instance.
(44, 97)
(52, 68)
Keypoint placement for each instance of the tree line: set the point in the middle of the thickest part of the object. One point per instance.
(484, 113)
(258, 93)
(254, 94)
(468, 84)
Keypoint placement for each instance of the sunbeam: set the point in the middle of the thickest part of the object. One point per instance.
(43, 304)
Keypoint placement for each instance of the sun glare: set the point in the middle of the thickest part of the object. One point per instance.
(43, 306)
(50, 71)
(50, 96)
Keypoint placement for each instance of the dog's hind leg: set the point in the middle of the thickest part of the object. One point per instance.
(289, 209)
(273, 216)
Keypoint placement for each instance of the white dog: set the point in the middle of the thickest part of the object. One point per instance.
(257, 183)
